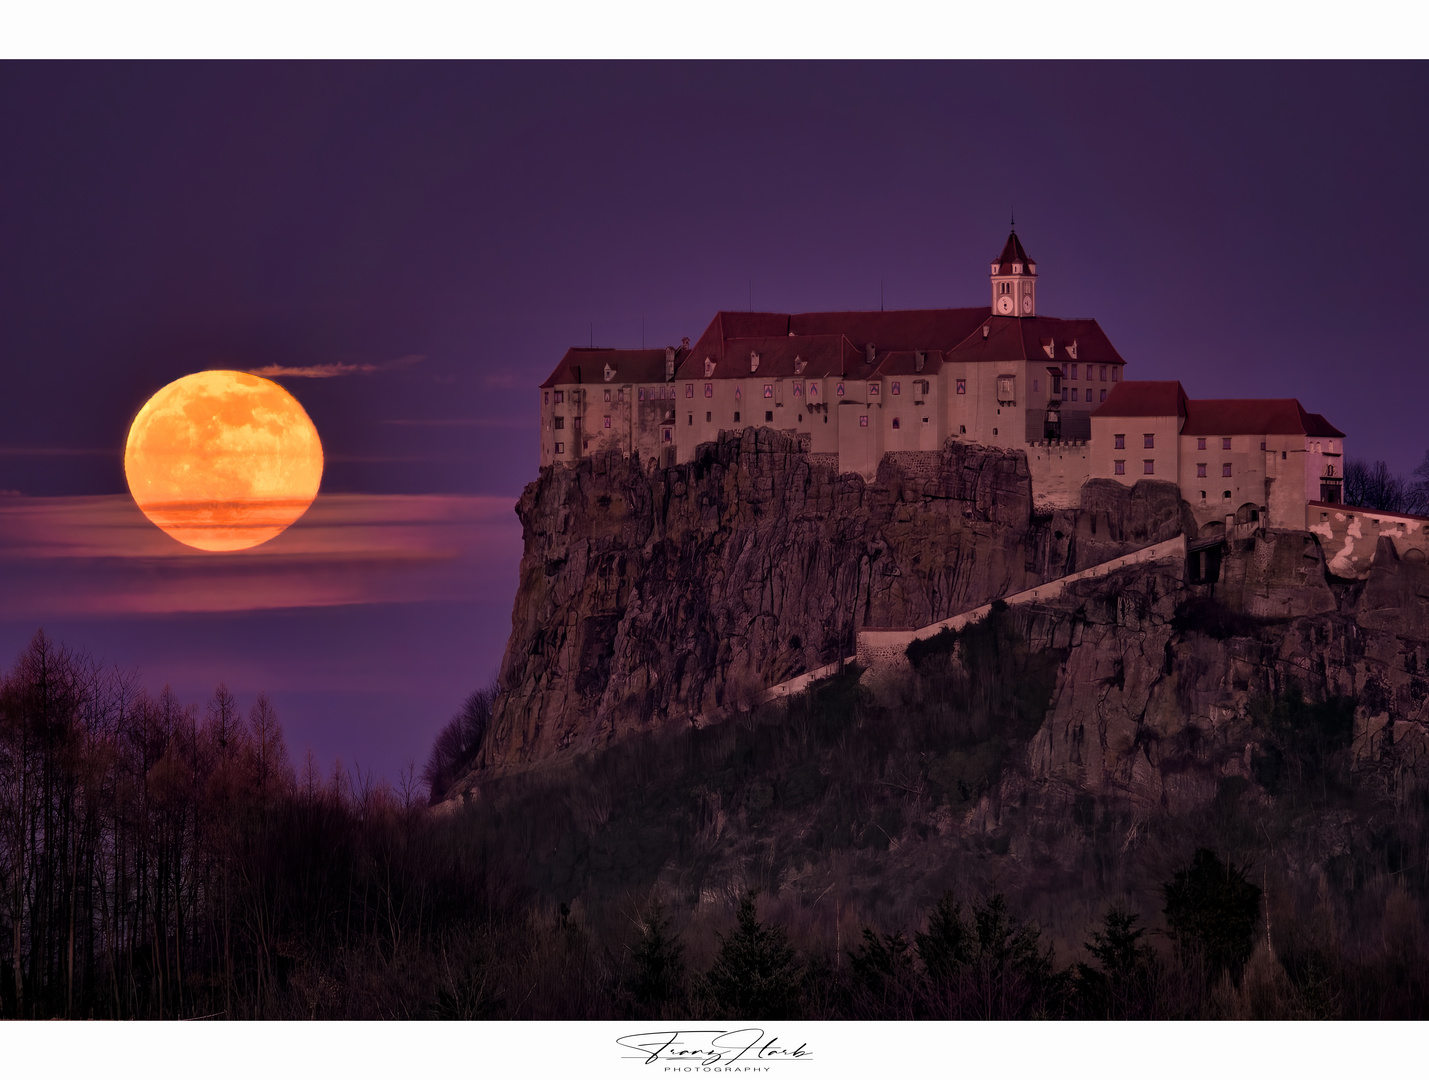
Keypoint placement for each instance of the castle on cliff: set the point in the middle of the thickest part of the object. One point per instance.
(856, 385)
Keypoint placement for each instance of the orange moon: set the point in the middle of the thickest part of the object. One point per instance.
(222, 460)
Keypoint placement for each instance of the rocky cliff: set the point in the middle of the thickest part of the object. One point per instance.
(649, 598)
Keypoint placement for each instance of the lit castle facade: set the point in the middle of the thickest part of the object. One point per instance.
(856, 385)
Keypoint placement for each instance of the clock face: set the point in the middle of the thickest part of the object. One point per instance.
(1027, 304)
(1004, 305)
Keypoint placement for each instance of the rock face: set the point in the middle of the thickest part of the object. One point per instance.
(649, 598)
(669, 597)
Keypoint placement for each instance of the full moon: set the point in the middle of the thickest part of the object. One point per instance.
(222, 460)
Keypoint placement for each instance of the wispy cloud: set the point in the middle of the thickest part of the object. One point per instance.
(98, 555)
(333, 371)
(514, 423)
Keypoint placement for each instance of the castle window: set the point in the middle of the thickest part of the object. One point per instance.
(1262, 444)
(1226, 469)
(1074, 393)
(1119, 442)
(962, 429)
(620, 394)
(768, 417)
(1203, 496)
(1148, 442)
(607, 395)
(895, 423)
(1282, 455)
(607, 421)
(1119, 467)
(560, 423)
(1201, 468)
(689, 389)
(689, 419)
(1034, 386)
(1226, 495)
(813, 389)
(560, 448)
(709, 389)
(768, 389)
(736, 417)
(798, 389)
(709, 417)
(560, 396)
(1074, 371)
(840, 390)
(1102, 372)
(1115, 373)
(1225, 444)
(738, 392)
(873, 389)
(1148, 467)
(1200, 444)
(642, 393)
(1103, 395)
(576, 423)
(962, 386)
(863, 420)
(1064, 371)
(895, 388)
(666, 435)
(546, 398)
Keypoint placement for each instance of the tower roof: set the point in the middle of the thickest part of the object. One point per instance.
(1012, 252)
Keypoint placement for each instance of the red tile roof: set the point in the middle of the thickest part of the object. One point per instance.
(1254, 416)
(631, 366)
(778, 358)
(927, 329)
(1144, 398)
(1010, 339)
(904, 363)
(1012, 251)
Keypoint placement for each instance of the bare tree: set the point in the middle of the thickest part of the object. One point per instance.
(1371, 485)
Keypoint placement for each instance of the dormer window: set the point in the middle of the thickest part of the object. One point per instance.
(753, 361)
(1071, 347)
(996, 267)
(1017, 268)
(709, 366)
(799, 365)
(1032, 268)
(609, 373)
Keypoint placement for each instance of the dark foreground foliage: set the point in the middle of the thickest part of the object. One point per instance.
(163, 860)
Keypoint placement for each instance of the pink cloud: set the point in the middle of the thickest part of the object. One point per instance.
(98, 555)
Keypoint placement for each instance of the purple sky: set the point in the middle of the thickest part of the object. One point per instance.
(1251, 229)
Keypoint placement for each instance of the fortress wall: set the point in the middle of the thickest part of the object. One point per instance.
(883, 649)
(1349, 535)
(1059, 469)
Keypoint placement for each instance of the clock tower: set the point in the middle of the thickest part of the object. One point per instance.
(1014, 281)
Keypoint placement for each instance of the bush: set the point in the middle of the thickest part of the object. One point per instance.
(458, 743)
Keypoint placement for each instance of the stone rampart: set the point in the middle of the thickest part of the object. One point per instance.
(881, 649)
(1349, 536)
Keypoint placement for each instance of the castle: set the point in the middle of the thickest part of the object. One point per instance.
(857, 385)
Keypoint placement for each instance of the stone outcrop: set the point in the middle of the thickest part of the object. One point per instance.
(650, 597)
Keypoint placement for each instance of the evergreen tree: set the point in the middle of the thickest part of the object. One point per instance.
(1119, 988)
(659, 962)
(1211, 911)
(756, 975)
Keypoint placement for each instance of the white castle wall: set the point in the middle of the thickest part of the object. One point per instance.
(885, 649)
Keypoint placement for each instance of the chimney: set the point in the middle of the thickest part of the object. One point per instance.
(919, 359)
(669, 361)
(753, 361)
(684, 343)
(871, 351)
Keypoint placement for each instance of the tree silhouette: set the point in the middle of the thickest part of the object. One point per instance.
(756, 975)
(659, 962)
(1211, 911)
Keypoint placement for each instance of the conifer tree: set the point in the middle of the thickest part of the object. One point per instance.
(756, 975)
